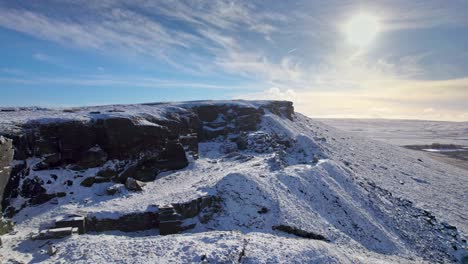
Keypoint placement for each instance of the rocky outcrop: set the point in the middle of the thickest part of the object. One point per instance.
(127, 223)
(281, 108)
(12, 188)
(221, 120)
(90, 144)
(143, 143)
(6, 158)
(169, 219)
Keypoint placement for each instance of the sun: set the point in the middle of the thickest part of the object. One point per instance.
(361, 29)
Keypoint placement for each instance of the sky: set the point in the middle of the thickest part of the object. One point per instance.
(356, 59)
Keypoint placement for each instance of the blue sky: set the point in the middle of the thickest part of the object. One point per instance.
(73, 52)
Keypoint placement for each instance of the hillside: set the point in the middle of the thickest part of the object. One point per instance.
(220, 181)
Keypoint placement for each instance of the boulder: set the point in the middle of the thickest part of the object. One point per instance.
(49, 161)
(42, 198)
(134, 185)
(32, 187)
(77, 221)
(117, 188)
(173, 157)
(56, 233)
(6, 226)
(88, 182)
(51, 250)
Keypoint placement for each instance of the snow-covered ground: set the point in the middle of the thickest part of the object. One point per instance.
(405, 132)
(367, 198)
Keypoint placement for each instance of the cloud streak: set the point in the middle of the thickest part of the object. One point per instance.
(296, 48)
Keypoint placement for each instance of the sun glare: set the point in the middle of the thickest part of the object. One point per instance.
(361, 29)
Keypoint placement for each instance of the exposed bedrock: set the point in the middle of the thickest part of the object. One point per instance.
(6, 158)
(145, 143)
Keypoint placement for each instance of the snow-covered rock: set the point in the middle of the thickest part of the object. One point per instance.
(288, 189)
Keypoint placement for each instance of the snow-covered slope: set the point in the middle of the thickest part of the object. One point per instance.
(365, 201)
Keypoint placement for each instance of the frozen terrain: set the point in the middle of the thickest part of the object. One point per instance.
(405, 132)
(370, 201)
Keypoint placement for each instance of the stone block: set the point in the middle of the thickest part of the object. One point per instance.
(56, 233)
(72, 221)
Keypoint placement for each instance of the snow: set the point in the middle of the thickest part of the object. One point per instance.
(405, 132)
(444, 150)
(157, 110)
(329, 182)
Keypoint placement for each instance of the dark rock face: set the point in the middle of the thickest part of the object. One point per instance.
(121, 138)
(91, 144)
(144, 170)
(299, 232)
(173, 157)
(67, 142)
(281, 108)
(171, 217)
(127, 223)
(43, 197)
(93, 157)
(191, 143)
(221, 120)
(6, 157)
(12, 189)
(193, 208)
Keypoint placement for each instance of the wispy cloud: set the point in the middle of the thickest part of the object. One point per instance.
(12, 71)
(122, 81)
(136, 27)
(296, 48)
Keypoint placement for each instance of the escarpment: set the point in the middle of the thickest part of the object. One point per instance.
(243, 171)
(139, 142)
